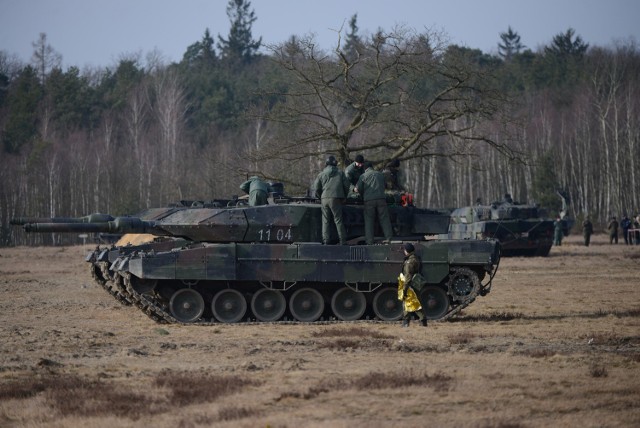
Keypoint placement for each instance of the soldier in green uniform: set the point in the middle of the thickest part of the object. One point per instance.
(587, 230)
(257, 190)
(613, 230)
(558, 231)
(353, 172)
(407, 290)
(394, 180)
(332, 187)
(371, 187)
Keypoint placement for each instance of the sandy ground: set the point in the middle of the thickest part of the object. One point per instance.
(556, 343)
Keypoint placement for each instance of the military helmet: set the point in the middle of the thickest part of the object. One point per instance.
(331, 160)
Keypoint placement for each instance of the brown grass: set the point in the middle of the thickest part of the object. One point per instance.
(233, 413)
(376, 380)
(597, 370)
(352, 331)
(555, 343)
(461, 338)
(70, 395)
(537, 353)
(73, 395)
(193, 388)
(439, 382)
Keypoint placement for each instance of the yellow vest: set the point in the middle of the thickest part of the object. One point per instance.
(410, 300)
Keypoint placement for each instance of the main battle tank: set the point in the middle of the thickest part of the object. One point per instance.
(522, 229)
(227, 262)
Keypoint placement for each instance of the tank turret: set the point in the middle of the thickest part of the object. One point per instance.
(286, 223)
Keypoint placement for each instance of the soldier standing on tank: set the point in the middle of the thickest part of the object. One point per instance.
(332, 187)
(613, 230)
(393, 179)
(353, 173)
(407, 291)
(371, 187)
(587, 230)
(257, 190)
(558, 231)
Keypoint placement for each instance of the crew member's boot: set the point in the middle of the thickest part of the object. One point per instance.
(405, 321)
(423, 321)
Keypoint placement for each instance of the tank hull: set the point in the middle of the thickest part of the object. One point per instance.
(335, 275)
(517, 237)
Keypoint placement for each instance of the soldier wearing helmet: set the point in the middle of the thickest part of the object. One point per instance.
(332, 187)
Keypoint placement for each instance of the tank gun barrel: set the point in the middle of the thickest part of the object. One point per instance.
(92, 218)
(118, 225)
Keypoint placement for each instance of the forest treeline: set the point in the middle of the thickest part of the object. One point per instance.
(465, 125)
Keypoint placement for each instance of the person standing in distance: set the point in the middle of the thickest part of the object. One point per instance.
(625, 225)
(331, 187)
(557, 231)
(613, 230)
(371, 187)
(587, 230)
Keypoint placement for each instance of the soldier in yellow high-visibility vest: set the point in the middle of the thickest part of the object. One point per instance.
(406, 291)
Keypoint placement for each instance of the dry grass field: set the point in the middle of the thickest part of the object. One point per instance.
(556, 343)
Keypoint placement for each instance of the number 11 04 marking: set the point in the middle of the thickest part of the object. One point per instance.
(280, 235)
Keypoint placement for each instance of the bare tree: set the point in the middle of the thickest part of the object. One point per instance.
(135, 119)
(170, 107)
(403, 93)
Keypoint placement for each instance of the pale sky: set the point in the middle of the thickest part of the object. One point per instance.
(98, 32)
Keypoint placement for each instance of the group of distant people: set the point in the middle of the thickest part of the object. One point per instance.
(630, 230)
(359, 180)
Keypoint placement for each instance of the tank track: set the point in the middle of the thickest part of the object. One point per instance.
(110, 285)
(154, 311)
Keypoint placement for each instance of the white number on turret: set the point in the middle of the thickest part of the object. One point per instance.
(280, 234)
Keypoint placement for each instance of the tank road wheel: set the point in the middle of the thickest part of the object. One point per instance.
(386, 305)
(306, 304)
(348, 305)
(435, 302)
(186, 305)
(463, 284)
(229, 306)
(268, 305)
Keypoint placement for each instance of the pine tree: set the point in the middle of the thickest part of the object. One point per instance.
(200, 53)
(510, 45)
(563, 59)
(239, 46)
(353, 44)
